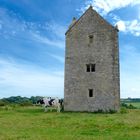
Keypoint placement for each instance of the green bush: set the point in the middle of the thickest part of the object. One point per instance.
(123, 110)
(124, 105)
(131, 106)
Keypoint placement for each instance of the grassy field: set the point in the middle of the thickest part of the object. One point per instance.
(31, 123)
(135, 104)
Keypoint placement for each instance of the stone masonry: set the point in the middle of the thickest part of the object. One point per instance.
(92, 81)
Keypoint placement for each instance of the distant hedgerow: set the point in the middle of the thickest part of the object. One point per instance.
(130, 106)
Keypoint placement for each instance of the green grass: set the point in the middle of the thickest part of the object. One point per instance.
(31, 123)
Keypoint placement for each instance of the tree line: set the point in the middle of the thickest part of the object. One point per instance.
(25, 101)
(20, 100)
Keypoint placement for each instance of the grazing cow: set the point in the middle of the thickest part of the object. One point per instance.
(51, 102)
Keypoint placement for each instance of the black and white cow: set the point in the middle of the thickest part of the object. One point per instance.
(51, 102)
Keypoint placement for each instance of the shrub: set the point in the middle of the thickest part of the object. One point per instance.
(123, 110)
(131, 106)
(124, 105)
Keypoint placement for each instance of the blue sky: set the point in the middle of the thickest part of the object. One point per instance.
(32, 44)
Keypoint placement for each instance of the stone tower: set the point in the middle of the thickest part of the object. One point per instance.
(92, 80)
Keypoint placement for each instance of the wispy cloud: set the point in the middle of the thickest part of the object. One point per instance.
(45, 40)
(57, 57)
(26, 66)
(106, 6)
(26, 80)
(55, 29)
(32, 38)
(30, 30)
(12, 26)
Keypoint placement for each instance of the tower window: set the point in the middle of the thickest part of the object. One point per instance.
(90, 38)
(90, 92)
(90, 67)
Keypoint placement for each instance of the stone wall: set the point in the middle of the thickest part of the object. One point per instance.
(101, 51)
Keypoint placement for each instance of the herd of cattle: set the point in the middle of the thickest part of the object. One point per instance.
(47, 102)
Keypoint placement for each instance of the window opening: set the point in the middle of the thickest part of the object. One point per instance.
(88, 67)
(92, 67)
(90, 38)
(90, 92)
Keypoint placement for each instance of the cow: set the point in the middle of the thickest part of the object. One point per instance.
(51, 102)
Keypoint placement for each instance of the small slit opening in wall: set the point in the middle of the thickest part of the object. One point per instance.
(90, 92)
(90, 38)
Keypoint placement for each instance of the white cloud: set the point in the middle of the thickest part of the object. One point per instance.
(132, 27)
(121, 25)
(106, 6)
(24, 80)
